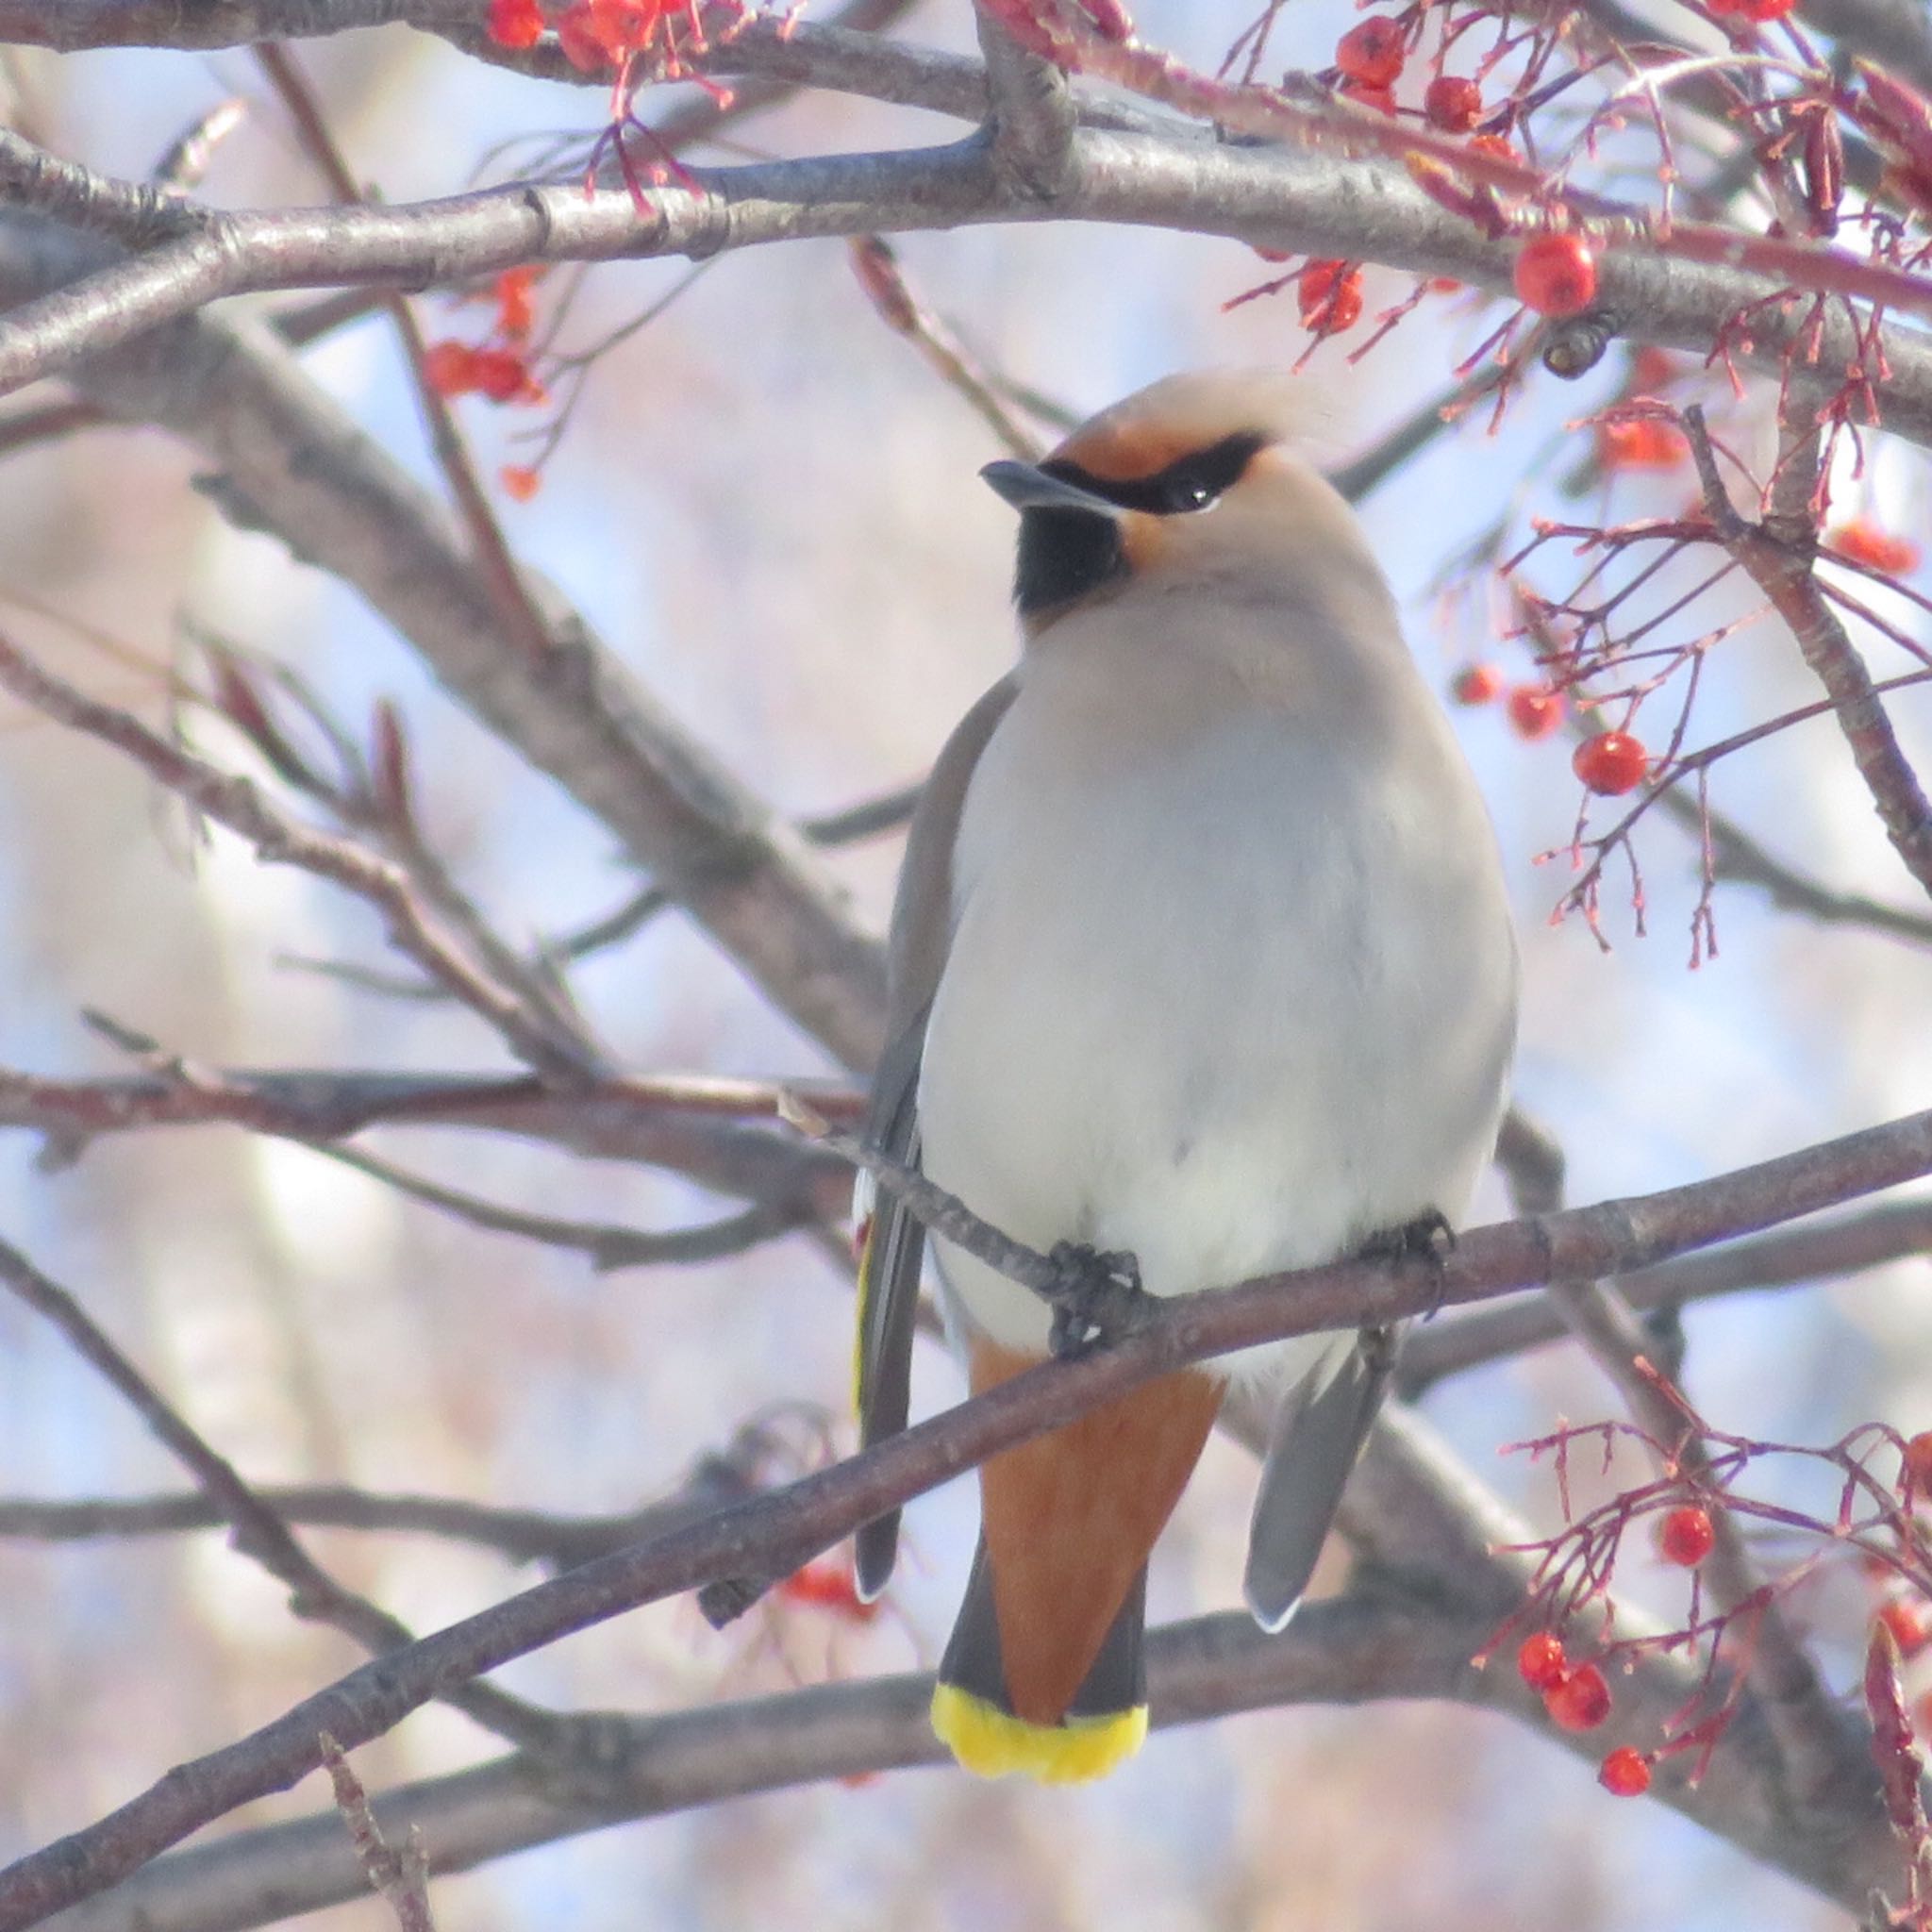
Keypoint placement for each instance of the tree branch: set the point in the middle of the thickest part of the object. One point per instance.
(1030, 111)
(1778, 554)
(1831, 1250)
(1677, 288)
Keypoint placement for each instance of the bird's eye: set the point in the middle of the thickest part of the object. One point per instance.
(1188, 492)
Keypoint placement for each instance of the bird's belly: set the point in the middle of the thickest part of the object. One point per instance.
(1231, 1064)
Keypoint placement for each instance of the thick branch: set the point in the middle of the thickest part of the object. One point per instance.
(1030, 112)
(1677, 289)
(1831, 1250)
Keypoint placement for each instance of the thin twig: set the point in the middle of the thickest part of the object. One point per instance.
(1780, 563)
(609, 1247)
(239, 804)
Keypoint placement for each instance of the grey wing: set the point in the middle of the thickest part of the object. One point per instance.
(895, 1245)
(1318, 1433)
(888, 1292)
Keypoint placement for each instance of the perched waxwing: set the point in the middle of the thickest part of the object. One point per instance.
(1201, 953)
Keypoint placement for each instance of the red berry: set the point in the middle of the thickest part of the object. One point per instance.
(450, 368)
(1557, 273)
(1540, 1662)
(1372, 53)
(516, 311)
(1610, 764)
(1644, 444)
(1453, 103)
(1917, 1463)
(515, 23)
(502, 375)
(1331, 296)
(1768, 9)
(1864, 543)
(1535, 712)
(1581, 1702)
(1687, 1536)
(1625, 1773)
(1651, 369)
(1477, 684)
(1907, 1623)
(520, 482)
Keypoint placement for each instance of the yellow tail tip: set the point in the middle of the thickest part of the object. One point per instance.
(990, 1743)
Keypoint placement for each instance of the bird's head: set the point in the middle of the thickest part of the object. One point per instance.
(1182, 484)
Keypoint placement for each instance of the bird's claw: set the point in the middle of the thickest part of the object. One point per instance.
(1096, 1297)
(1428, 1238)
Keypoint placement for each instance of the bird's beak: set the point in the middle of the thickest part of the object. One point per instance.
(1027, 488)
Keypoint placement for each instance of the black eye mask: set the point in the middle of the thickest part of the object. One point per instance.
(1189, 483)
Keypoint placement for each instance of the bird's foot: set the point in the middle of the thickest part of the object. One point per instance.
(1096, 1297)
(1428, 1238)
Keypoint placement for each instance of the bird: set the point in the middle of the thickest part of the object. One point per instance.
(1201, 966)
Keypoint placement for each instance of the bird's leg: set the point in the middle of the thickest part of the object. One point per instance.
(1096, 1297)
(1428, 1238)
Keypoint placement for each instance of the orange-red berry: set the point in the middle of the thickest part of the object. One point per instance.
(1540, 1661)
(516, 310)
(1453, 103)
(1581, 1702)
(1477, 684)
(450, 368)
(828, 1584)
(1685, 1536)
(1372, 52)
(1907, 1623)
(1331, 296)
(1651, 369)
(1557, 273)
(1625, 1773)
(514, 23)
(1499, 147)
(1535, 711)
(1918, 1463)
(1644, 444)
(1610, 764)
(520, 482)
(1864, 543)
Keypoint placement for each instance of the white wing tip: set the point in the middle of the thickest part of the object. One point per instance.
(1273, 1618)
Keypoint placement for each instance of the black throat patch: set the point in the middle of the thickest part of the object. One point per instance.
(1065, 553)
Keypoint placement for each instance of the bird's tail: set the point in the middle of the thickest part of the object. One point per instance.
(974, 1715)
